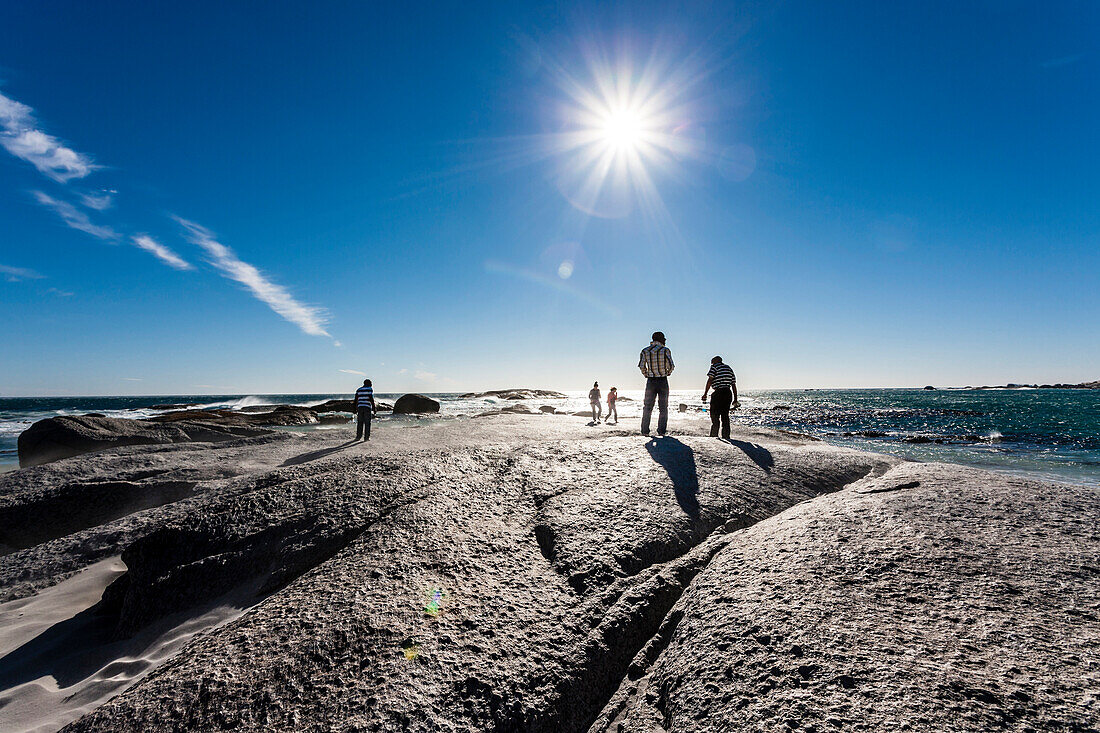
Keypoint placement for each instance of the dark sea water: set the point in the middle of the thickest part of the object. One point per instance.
(1050, 433)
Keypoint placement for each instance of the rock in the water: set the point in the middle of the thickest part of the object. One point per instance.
(411, 404)
(66, 436)
(334, 406)
(517, 394)
(549, 409)
(271, 416)
(929, 387)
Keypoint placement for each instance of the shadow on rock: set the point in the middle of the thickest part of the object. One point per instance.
(759, 455)
(679, 461)
(314, 455)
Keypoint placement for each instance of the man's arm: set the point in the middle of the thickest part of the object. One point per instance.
(707, 388)
(668, 355)
(735, 402)
(641, 362)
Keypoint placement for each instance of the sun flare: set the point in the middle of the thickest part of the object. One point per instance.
(623, 126)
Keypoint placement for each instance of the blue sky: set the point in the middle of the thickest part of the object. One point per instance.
(218, 198)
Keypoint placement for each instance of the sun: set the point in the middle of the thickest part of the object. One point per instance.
(623, 129)
(624, 124)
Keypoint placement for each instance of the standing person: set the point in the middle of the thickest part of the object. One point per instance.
(364, 410)
(612, 398)
(656, 364)
(594, 400)
(724, 382)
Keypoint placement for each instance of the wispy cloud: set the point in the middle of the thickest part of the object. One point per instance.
(74, 217)
(99, 200)
(306, 317)
(424, 376)
(59, 293)
(15, 274)
(132, 379)
(1062, 61)
(20, 136)
(352, 371)
(158, 250)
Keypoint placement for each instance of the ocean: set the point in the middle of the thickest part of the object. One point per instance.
(1052, 434)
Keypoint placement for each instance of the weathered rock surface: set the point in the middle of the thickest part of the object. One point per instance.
(412, 404)
(527, 573)
(62, 437)
(931, 598)
(547, 581)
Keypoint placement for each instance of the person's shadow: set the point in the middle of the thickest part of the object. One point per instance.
(678, 460)
(758, 454)
(314, 455)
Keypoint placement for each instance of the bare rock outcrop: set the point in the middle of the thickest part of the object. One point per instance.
(529, 574)
(63, 437)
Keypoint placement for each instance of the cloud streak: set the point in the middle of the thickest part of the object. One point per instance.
(99, 201)
(15, 274)
(75, 218)
(309, 319)
(20, 136)
(162, 253)
(352, 371)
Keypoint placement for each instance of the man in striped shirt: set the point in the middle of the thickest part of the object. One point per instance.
(656, 364)
(722, 379)
(364, 410)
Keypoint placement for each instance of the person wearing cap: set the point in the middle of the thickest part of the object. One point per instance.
(722, 379)
(656, 364)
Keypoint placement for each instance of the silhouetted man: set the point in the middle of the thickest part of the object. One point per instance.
(594, 401)
(364, 410)
(656, 364)
(722, 379)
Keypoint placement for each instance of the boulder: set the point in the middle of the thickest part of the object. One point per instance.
(411, 404)
(63, 437)
(549, 409)
(930, 387)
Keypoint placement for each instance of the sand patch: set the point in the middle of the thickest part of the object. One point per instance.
(58, 659)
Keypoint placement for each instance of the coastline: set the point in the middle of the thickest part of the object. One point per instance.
(1046, 434)
(450, 565)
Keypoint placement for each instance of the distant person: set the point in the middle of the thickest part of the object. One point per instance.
(656, 364)
(722, 380)
(612, 398)
(594, 400)
(364, 410)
